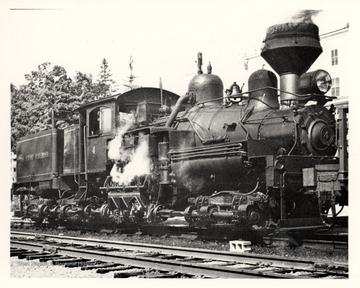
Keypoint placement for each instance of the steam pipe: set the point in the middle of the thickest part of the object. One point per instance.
(177, 108)
(289, 89)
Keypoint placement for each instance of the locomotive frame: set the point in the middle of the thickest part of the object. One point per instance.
(262, 159)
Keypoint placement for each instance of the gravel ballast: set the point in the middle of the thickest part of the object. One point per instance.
(21, 268)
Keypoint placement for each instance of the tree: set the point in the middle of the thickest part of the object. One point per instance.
(19, 114)
(105, 85)
(83, 87)
(49, 88)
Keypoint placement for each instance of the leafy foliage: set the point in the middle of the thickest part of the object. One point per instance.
(50, 89)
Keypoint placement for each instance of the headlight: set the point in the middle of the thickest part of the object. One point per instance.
(316, 82)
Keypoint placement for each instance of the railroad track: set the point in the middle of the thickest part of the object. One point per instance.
(335, 243)
(329, 240)
(126, 259)
(16, 222)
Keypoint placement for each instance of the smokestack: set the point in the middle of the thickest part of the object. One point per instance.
(290, 49)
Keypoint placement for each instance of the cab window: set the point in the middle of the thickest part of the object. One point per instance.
(100, 121)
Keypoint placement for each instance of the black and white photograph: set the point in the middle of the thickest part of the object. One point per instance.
(179, 140)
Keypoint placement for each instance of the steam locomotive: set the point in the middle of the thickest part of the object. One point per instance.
(269, 158)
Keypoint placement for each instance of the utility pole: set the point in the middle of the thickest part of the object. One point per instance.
(52, 119)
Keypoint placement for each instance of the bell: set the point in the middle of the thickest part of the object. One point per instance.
(235, 90)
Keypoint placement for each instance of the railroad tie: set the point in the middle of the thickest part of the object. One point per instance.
(16, 252)
(77, 263)
(130, 273)
(24, 255)
(51, 257)
(116, 268)
(84, 264)
(63, 261)
(103, 265)
(163, 275)
(37, 256)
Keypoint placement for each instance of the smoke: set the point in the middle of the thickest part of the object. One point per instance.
(115, 146)
(129, 162)
(138, 164)
(305, 16)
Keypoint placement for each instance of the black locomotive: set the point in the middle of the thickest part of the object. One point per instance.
(264, 159)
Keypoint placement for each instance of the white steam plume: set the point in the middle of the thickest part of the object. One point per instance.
(115, 150)
(129, 162)
(138, 165)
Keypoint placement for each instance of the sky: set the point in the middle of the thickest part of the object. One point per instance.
(162, 37)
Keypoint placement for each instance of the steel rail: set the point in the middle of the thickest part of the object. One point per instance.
(337, 243)
(310, 243)
(249, 259)
(150, 263)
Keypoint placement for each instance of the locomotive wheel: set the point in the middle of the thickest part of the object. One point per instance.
(187, 214)
(157, 214)
(254, 216)
(63, 210)
(154, 214)
(33, 212)
(104, 210)
(137, 215)
(87, 211)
